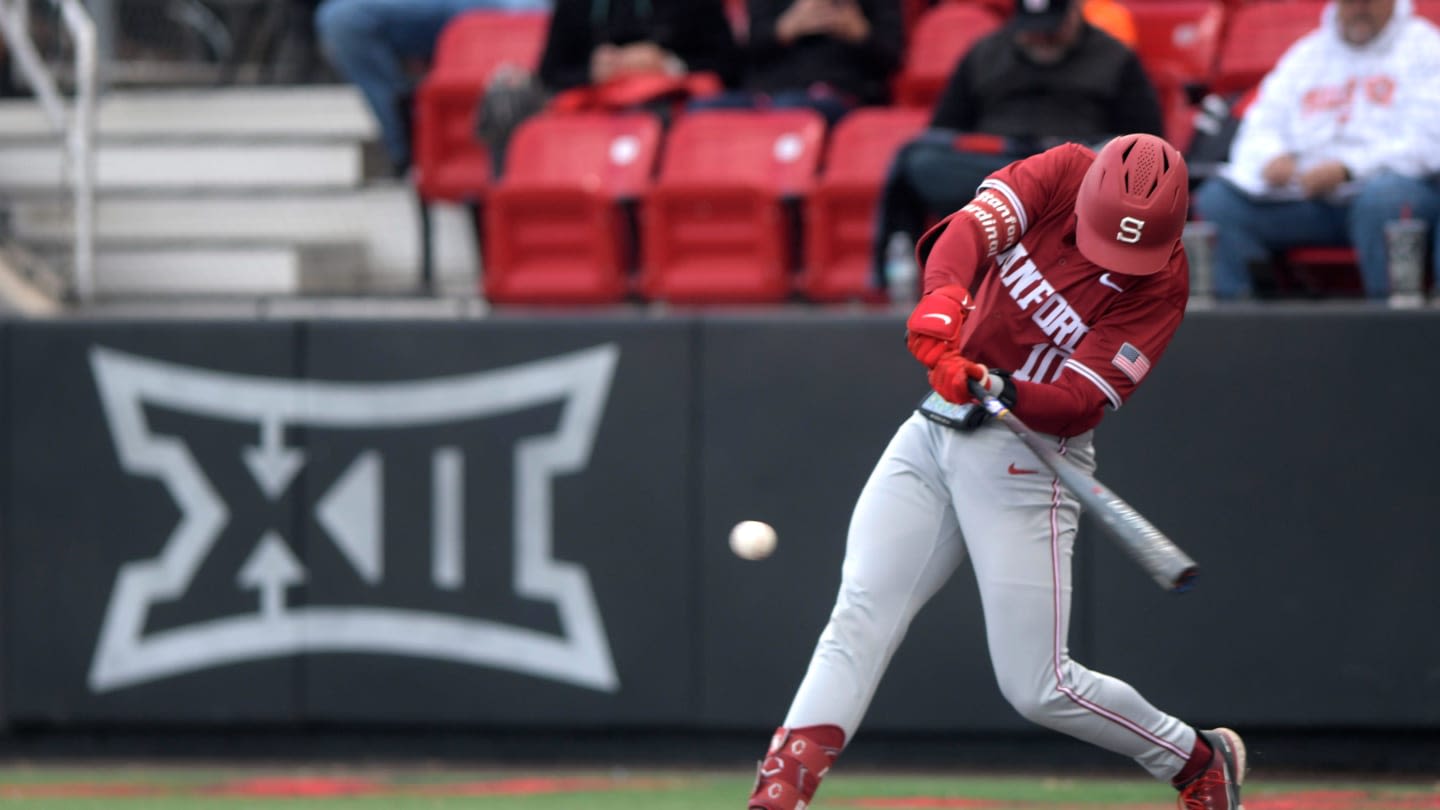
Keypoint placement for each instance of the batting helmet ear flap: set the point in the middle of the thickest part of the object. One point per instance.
(1132, 205)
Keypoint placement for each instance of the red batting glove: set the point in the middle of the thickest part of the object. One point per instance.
(951, 376)
(934, 325)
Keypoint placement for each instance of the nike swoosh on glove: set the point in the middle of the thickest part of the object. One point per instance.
(934, 325)
(951, 375)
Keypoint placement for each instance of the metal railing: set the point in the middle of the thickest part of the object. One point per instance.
(74, 122)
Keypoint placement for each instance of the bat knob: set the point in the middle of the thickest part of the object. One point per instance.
(1186, 580)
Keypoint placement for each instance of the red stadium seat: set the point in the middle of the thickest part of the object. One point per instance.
(555, 229)
(1256, 36)
(1329, 271)
(715, 226)
(450, 163)
(941, 37)
(840, 212)
(1179, 43)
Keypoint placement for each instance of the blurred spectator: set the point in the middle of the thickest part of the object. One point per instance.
(1343, 136)
(828, 55)
(1048, 76)
(370, 43)
(595, 42)
(613, 55)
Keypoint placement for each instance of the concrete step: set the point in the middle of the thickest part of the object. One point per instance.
(228, 191)
(382, 217)
(177, 270)
(323, 111)
(40, 168)
(364, 307)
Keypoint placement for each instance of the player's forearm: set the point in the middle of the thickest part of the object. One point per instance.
(1062, 408)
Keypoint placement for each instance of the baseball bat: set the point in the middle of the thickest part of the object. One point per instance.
(1164, 561)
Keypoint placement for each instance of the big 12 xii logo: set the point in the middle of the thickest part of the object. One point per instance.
(349, 509)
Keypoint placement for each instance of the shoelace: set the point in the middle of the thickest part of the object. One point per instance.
(1193, 796)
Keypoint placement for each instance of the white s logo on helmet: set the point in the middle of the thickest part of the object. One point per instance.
(1129, 232)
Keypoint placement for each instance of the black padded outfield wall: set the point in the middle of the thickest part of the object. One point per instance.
(1292, 451)
(522, 522)
(424, 523)
(106, 565)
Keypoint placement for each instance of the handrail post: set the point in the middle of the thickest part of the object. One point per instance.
(76, 127)
(81, 142)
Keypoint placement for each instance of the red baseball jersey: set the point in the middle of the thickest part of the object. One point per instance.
(1086, 333)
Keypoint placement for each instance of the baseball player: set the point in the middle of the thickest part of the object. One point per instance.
(1057, 287)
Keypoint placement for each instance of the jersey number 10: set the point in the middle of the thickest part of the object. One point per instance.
(1044, 362)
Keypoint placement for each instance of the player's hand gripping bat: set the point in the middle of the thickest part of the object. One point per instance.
(1166, 563)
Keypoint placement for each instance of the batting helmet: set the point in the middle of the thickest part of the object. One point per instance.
(1132, 205)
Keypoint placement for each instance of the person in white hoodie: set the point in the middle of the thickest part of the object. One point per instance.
(1343, 136)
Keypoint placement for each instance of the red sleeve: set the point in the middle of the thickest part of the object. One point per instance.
(1110, 362)
(1008, 201)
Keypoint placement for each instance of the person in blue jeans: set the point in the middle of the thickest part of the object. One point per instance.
(1249, 230)
(1343, 136)
(370, 41)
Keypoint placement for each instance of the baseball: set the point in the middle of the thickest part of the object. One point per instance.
(752, 539)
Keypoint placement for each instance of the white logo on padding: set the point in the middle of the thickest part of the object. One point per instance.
(350, 512)
(1130, 228)
(789, 147)
(624, 150)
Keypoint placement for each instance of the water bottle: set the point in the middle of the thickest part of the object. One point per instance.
(1405, 256)
(1199, 240)
(900, 270)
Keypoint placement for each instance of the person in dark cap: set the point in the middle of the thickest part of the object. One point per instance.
(1046, 77)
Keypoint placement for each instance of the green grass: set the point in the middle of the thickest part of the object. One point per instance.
(194, 788)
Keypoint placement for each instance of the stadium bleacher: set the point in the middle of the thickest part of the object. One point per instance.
(940, 37)
(839, 213)
(556, 224)
(450, 162)
(723, 218)
(716, 226)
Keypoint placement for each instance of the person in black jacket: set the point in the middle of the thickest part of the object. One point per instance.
(593, 41)
(829, 55)
(1047, 77)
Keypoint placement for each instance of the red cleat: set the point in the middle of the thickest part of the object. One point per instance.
(1218, 786)
(792, 769)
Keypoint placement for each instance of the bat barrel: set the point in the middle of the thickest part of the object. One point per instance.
(1169, 566)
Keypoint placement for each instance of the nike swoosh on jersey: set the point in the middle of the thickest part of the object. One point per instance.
(1020, 470)
(1108, 282)
(942, 316)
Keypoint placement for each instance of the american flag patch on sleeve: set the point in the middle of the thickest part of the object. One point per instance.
(1131, 361)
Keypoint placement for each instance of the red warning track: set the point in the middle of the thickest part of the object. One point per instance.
(290, 787)
(1306, 800)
